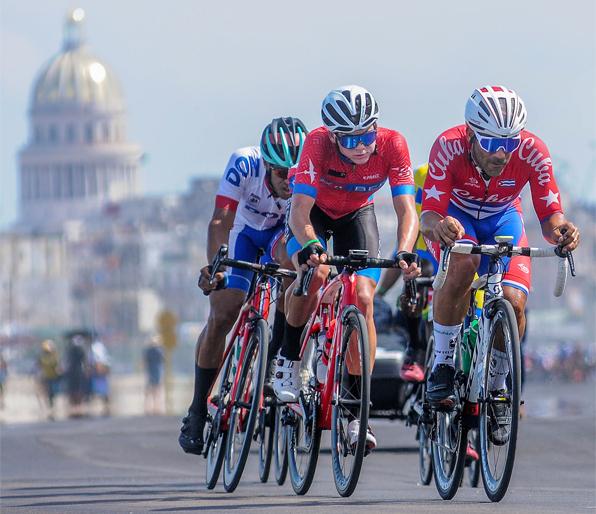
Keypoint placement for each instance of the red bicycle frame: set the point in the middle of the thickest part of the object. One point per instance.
(328, 307)
(255, 307)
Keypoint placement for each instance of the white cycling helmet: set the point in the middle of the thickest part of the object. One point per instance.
(495, 111)
(348, 109)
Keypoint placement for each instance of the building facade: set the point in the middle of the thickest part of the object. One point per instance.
(77, 156)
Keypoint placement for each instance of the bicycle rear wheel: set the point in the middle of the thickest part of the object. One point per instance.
(280, 447)
(215, 434)
(245, 406)
(473, 464)
(449, 452)
(425, 458)
(303, 432)
(353, 402)
(265, 435)
(497, 449)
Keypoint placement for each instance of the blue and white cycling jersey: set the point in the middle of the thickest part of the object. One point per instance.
(259, 215)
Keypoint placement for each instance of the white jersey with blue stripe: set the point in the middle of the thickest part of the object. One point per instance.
(244, 184)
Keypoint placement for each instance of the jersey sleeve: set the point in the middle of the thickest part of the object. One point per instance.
(545, 193)
(401, 176)
(231, 186)
(436, 191)
(306, 176)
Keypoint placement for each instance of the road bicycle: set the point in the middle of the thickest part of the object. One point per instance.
(476, 405)
(343, 397)
(238, 411)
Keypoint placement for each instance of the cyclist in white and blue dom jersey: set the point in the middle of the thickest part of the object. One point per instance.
(249, 214)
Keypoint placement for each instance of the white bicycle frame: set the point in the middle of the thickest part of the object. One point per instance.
(491, 284)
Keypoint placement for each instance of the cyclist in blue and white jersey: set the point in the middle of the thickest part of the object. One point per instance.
(249, 214)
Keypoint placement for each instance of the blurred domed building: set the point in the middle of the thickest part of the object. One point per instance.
(77, 158)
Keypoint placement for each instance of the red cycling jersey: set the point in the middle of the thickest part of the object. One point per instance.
(452, 177)
(341, 187)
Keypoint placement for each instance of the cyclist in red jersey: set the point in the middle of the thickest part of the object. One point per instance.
(471, 194)
(341, 166)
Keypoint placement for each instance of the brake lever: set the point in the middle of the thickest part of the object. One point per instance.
(305, 279)
(221, 254)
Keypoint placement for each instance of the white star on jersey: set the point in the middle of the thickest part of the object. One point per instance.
(310, 171)
(433, 192)
(552, 197)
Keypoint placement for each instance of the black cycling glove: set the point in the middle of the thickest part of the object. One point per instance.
(307, 251)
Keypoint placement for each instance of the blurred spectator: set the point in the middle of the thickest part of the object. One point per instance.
(154, 364)
(99, 369)
(76, 374)
(3, 375)
(48, 375)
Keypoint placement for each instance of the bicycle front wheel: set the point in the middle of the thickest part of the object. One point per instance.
(499, 408)
(245, 407)
(349, 419)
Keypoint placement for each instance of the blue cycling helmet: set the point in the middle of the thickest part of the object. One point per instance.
(282, 141)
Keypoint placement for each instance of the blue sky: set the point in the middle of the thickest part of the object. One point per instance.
(202, 78)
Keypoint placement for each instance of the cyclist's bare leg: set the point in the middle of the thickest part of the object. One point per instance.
(299, 308)
(450, 303)
(224, 308)
(518, 300)
(280, 256)
(365, 290)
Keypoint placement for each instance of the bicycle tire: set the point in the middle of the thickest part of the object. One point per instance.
(304, 438)
(265, 437)
(502, 314)
(215, 437)
(256, 352)
(474, 466)
(425, 458)
(449, 447)
(448, 480)
(352, 322)
(280, 448)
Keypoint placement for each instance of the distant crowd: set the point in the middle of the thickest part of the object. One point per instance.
(567, 362)
(80, 370)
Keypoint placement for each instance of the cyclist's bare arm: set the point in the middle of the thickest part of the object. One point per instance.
(407, 230)
(553, 228)
(301, 224)
(218, 234)
(388, 279)
(438, 228)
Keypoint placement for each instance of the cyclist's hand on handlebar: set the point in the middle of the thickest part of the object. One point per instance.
(449, 230)
(567, 236)
(206, 284)
(312, 255)
(408, 263)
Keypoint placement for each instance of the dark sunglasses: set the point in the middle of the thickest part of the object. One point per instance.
(350, 141)
(494, 144)
(281, 172)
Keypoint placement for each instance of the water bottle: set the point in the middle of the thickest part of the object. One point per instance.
(468, 345)
(236, 357)
(323, 348)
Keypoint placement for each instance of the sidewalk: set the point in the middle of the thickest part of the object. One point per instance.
(22, 403)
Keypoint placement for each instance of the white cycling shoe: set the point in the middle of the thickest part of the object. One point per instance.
(354, 429)
(286, 384)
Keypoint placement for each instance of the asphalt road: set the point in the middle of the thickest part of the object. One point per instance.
(135, 465)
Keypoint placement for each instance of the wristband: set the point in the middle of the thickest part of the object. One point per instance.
(312, 241)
